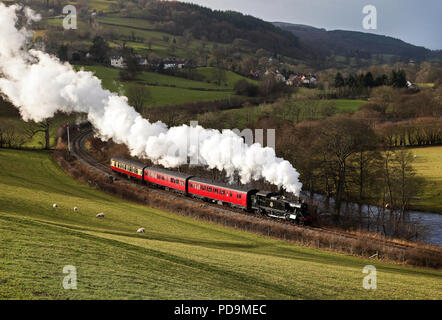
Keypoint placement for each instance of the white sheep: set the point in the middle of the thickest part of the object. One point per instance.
(141, 230)
(55, 206)
(75, 209)
(100, 215)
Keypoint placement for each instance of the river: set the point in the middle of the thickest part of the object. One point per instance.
(430, 222)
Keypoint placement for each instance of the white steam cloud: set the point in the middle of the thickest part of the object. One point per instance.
(39, 85)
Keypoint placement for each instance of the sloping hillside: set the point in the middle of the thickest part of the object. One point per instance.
(352, 43)
(180, 18)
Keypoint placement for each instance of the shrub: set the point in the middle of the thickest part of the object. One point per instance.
(246, 88)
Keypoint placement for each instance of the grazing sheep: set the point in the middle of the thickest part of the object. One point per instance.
(100, 215)
(141, 230)
(75, 209)
(55, 206)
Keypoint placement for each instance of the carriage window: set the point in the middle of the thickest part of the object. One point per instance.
(238, 196)
(203, 188)
(222, 192)
(182, 183)
(172, 180)
(209, 189)
(231, 194)
(215, 190)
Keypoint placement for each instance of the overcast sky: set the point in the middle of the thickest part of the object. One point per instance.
(415, 21)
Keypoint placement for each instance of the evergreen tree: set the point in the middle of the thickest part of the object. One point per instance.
(368, 80)
(339, 80)
(99, 49)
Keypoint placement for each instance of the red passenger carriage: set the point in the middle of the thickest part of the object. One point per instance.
(220, 192)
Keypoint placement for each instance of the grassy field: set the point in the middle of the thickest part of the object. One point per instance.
(231, 77)
(240, 118)
(162, 93)
(103, 5)
(178, 258)
(138, 30)
(345, 105)
(428, 165)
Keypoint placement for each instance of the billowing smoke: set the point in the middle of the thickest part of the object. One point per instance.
(39, 85)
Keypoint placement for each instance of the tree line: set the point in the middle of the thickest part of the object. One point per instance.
(397, 79)
(344, 158)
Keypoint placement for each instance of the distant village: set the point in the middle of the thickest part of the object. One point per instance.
(294, 80)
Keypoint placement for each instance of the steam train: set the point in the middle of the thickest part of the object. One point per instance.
(250, 200)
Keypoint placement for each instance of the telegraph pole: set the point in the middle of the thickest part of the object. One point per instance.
(69, 139)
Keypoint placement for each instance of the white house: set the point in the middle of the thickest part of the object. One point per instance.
(173, 66)
(143, 62)
(169, 66)
(117, 62)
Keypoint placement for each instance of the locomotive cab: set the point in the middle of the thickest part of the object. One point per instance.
(276, 206)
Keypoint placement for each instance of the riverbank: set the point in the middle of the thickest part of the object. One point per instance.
(428, 225)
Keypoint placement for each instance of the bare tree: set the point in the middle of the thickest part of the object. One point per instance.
(44, 127)
(340, 138)
(138, 96)
(406, 182)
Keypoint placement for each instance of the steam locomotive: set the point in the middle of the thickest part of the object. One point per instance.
(251, 200)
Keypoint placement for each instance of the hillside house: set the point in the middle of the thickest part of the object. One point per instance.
(276, 74)
(298, 80)
(142, 62)
(118, 62)
(173, 65)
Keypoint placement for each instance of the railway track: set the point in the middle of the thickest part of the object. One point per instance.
(79, 152)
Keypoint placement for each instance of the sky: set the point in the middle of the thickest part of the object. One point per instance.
(418, 22)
